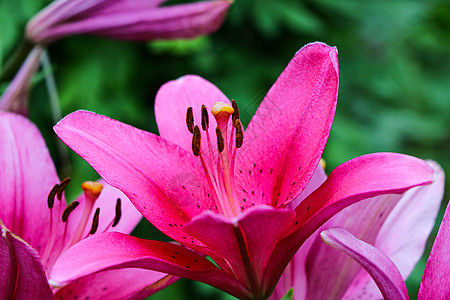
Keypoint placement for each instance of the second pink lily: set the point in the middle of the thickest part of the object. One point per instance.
(223, 192)
(37, 226)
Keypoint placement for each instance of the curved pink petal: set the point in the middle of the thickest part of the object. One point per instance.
(376, 263)
(128, 283)
(172, 101)
(163, 181)
(330, 272)
(360, 178)
(28, 176)
(436, 277)
(177, 21)
(245, 242)
(405, 232)
(22, 274)
(285, 139)
(15, 97)
(115, 250)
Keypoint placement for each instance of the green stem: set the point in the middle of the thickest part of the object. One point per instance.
(16, 60)
(55, 107)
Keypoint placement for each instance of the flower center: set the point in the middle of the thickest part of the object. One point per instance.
(218, 166)
(64, 234)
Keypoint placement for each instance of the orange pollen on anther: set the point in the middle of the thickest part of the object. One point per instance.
(221, 107)
(92, 188)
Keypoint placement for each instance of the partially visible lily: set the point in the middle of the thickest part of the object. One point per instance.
(126, 19)
(223, 192)
(398, 225)
(436, 277)
(15, 97)
(37, 227)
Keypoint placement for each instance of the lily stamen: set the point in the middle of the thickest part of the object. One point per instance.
(61, 187)
(117, 216)
(95, 221)
(92, 191)
(190, 120)
(118, 212)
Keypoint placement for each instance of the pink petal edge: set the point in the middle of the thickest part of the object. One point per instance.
(376, 263)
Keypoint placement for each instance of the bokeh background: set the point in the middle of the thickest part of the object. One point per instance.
(394, 80)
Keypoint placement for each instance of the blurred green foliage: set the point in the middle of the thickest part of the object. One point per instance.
(394, 78)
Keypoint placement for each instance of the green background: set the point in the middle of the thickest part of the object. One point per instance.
(394, 79)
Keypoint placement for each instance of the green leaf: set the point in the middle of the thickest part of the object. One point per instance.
(288, 295)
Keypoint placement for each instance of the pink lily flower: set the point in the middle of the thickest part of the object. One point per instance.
(139, 20)
(37, 226)
(399, 225)
(222, 192)
(436, 277)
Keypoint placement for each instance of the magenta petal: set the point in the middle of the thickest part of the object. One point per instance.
(128, 283)
(436, 277)
(22, 275)
(360, 178)
(171, 104)
(405, 232)
(114, 250)
(27, 180)
(134, 23)
(376, 263)
(15, 97)
(330, 272)
(246, 242)
(287, 135)
(142, 165)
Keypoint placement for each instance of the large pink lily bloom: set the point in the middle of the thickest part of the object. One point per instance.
(140, 20)
(34, 234)
(436, 277)
(222, 192)
(399, 225)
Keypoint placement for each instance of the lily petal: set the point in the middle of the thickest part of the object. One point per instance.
(376, 263)
(172, 101)
(330, 272)
(115, 250)
(360, 178)
(240, 242)
(405, 232)
(287, 134)
(30, 177)
(128, 283)
(22, 275)
(141, 23)
(436, 277)
(142, 165)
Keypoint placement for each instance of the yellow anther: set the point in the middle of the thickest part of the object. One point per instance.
(222, 107)
(92, 187)
(323, 163)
